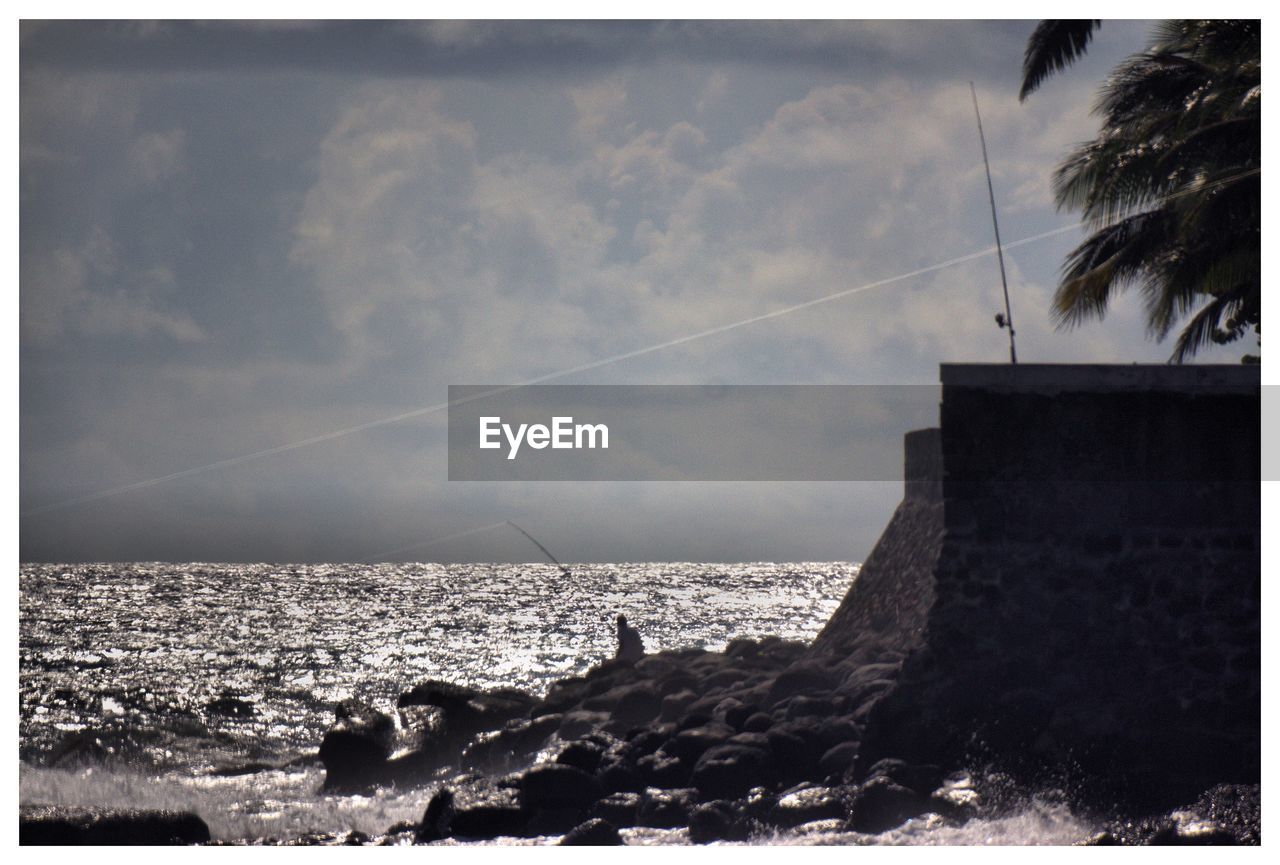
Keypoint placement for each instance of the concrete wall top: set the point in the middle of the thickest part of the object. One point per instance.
(1098, 376)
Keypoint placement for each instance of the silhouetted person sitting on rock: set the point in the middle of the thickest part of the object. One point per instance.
(630, 646)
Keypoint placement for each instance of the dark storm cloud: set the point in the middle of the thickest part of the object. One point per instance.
(489, 49)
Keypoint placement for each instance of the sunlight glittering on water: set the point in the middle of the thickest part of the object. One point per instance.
(152, 650)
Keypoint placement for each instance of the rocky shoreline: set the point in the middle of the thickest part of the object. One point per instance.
(758, 742)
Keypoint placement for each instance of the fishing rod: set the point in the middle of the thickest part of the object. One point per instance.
(546, 551)
(1004, 319)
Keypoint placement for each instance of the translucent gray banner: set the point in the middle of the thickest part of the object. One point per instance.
(684, 432)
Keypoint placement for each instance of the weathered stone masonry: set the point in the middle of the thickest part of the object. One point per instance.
(1074, 577)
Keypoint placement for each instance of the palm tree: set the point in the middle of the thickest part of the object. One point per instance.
(1171, 185)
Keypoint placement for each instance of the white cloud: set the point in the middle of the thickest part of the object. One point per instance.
(85, 291)
(158, 156)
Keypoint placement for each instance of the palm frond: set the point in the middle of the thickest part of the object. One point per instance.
(1053, 46)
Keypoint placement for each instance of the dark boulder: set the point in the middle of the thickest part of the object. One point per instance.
(485, 820)
(635, 704)
(552, 786)
(593, 833)
(1235, 807)
(693, 719)
(581, 754)
(230, 707)
(68, 825)
(675, 704)
(922, 778)
(563, 695)
(622, 809)
(796, 752)
(880, 805)
(802, 677)
(808, 804)
(729, 771)
(617, 775)
(661, 769)
(355, 751)
(647, 740)
(1225, 815)
(579, 722)
(691, 743)
(437, 820)
(468, 711)
(718, 821)
(809, 707)
(737, 716)
(838, 760)
(667, 809)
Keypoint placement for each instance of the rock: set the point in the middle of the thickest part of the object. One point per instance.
(468, 711)
(617, 775)
(838, 760)
(437, 820)
(593, 833)
(1189, 829)
(622, 809)
(693, 719)
(833, 731)
(581, 755)
(667, 809)
(717, 821)
(809, 707)
(551, 786)
(680, 680)
(726, 705)
(880, 805)
(742, 647)
(758, 722)
(241, 770)
(820, 827)
(230, 707)
(77, 748)
(1224, 815)
(795, 752)
(675, 704)
(553, 821)
(636, 704)
(737, 716)
(661, 769)
(70, 825)
(807, 805)
(691, 743)
(579, 722)
(955, 797)
(647, 740)
(1100, 839)
(728, 771)
(803, 677)
(486, 820)
(1237, 808)
(562, 696)
(356, 750)
(924, 779)
(754, 740)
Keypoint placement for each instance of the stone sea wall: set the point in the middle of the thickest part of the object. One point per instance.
(1074, 578)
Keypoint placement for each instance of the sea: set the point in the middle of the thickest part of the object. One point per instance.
(151, 685)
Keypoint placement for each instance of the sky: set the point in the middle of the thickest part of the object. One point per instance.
(238, 236)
